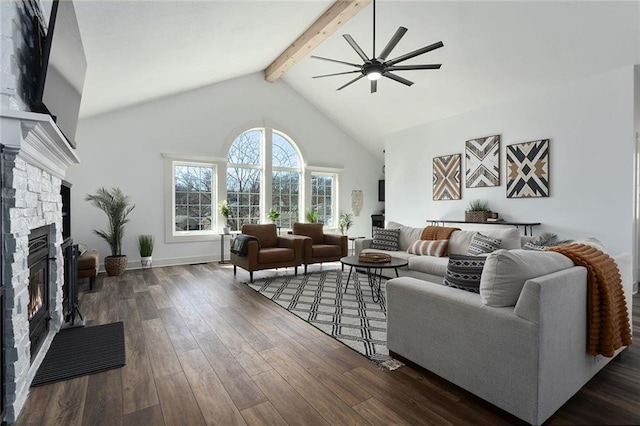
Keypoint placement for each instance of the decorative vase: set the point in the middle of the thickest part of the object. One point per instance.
(145, 261)
(115, 265)
(225, 230)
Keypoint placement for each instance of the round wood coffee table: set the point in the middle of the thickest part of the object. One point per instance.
(374, 274)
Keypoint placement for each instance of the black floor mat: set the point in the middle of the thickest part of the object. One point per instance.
(77, 352)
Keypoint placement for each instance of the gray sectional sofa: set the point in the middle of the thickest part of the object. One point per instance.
(431, 268)
(520, 344)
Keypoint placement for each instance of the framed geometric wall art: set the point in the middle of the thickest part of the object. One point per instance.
(528, 169)
(482, 158)
(446, 177)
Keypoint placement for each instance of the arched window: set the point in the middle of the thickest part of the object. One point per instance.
(263, 172)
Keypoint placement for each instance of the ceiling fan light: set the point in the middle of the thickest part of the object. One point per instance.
(374, 75)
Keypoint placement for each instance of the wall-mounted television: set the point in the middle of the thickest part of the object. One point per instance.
(381, 190)
(63, 66)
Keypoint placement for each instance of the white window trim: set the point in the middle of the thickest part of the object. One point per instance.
(219, 166)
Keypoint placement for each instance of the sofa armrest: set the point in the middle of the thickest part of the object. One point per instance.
(361, 244)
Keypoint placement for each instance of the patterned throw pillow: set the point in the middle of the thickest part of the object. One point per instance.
(437, 248)
(464, 272)
(535, 247)
(386, 239)
(482, 244)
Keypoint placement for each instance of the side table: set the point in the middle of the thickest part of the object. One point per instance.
(353, 244)
(222, 238)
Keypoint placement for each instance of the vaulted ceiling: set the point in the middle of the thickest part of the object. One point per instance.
(493, 51)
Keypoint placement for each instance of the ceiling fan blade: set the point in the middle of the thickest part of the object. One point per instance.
(413, 67)
(355, 46)
(336, 61)
(337, 73)
(392, 43)
(415, 53)
(374, 86)
(398, 78)
(351, 82)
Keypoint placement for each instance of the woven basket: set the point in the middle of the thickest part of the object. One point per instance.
(476, 216)
(115, 265)
(374, 257)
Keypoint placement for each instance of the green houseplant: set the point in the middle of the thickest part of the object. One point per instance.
(345, 222)
(225, 210)
(312, 216)
(478, 211)
(117, 207)
(145, 247)
(273, 215)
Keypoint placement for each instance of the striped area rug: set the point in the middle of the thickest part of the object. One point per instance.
(352, 317)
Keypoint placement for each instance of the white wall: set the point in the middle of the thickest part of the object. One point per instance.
(590, 124)
(123, 148)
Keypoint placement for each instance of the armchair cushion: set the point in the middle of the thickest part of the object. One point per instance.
(313, 230)
(326, 250)
(275, 255)
(266, 233)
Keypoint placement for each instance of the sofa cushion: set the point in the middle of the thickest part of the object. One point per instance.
(460, 240)
(464, 272)
(275, 255)
(428, 264)
(408, 234)
(531, 246)
(385, 239)
(506, 271)
(437, 248)
(313, 230)
(482, 244)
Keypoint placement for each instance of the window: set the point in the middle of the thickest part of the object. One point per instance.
(263, 172)
(193, 186)
(285, 186)
(243, 179)
(323, 198)
(190, 206)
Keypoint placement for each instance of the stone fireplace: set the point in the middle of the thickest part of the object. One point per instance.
(34, 160)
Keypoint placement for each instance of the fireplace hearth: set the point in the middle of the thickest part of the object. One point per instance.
(39, 285)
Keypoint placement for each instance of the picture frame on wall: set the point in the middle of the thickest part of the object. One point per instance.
(482, 162)
(447, 177)
(528, 169)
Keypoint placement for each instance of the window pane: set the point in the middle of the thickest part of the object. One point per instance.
(243, 196)
(246, 148)
(322, 198)
(285, 192)
(284, 155)
(193, 197)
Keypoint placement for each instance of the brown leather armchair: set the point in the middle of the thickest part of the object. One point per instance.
(318, 246)
(273, 251)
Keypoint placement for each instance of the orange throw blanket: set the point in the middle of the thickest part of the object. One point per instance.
(607, 315)
(437, 232)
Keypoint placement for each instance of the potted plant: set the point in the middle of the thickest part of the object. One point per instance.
(273, 215)
(225, 210)
(145, 246)
(117, 207)
(345, 222)
(478, 211)
(312, 216)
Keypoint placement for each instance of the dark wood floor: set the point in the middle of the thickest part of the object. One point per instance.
(202, 348)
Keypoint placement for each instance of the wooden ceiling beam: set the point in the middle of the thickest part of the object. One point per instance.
(336, 16)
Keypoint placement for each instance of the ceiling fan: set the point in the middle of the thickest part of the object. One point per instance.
(377, 67)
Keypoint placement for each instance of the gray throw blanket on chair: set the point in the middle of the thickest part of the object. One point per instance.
(240, 244)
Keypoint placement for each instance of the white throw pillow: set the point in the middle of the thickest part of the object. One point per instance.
(506, 271)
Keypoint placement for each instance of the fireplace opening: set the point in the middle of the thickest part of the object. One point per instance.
(39, 278)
